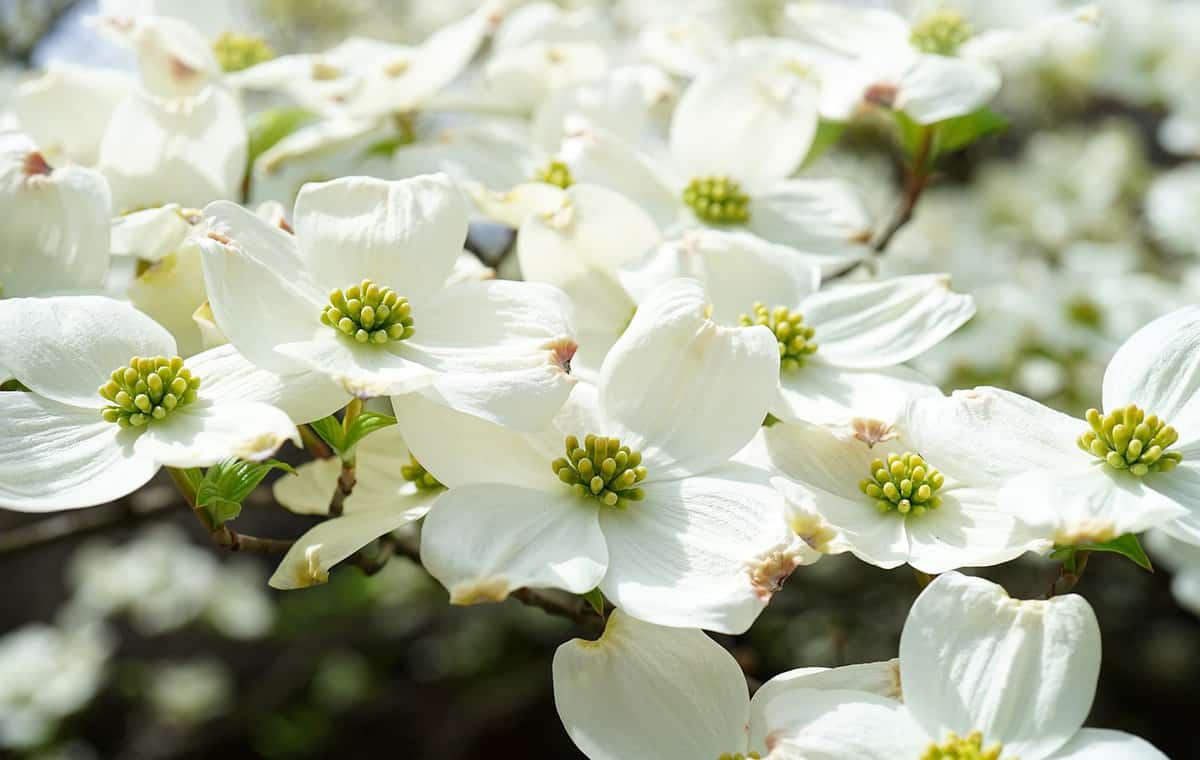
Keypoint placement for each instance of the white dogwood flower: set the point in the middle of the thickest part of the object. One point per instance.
(841, 349)
(873, 494)
(110, 401)
(55, 233)
(630, 489)
(1131, 466)
(984, 676)
(393, 490)
(358, 295)
(675, 694)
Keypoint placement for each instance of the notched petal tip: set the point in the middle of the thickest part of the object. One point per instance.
(872, 432)
(771, 569)
(562, 351)
(479, 591)
(260, 447)
(36, 165)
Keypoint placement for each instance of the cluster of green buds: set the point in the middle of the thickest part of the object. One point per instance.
(602, 469)
(414, 472)
(958, 748)
(717, 200)
(1126, 439)
(237, 52)
(795, 337)
(369, 314)
(905, 484)
(941, 33)
(555, 173)
(148, 388)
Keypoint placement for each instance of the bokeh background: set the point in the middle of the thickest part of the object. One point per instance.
(125, 634)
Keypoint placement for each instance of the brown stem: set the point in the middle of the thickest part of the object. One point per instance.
(314, 444)
(222, 534)
(1066, 580)
(347, 478)
(560, 604)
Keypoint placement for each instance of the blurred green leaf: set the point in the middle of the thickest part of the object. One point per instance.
(268, 127)
(959, 132)
(1127, 546)
(226, 484)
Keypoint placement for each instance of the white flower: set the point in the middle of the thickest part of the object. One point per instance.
(93, 95)
(842, 349)
(65, 445)
(55, 235)
(642, 690)
(393, 490)
(915, 69)
(497, 349)
(1132, 466)
(981, 672)
(669, 529)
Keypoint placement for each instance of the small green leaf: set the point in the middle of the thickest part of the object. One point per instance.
(1127, 546)
(330, 430)
(362, 426)
(959, 132)
(269, 127)
(909, 133)
(226, 484)
(596, 600)
(828, 133)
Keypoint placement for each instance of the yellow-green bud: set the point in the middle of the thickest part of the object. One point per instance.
(601, 469)
(717, 200)
(905, 483)
(1127, 439)
(368, 313)
(941, 33)
(795, 337)
(146, 389)
(555, 173)
(956, 748)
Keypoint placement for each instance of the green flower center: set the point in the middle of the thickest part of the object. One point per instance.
(795, 337)
(602, 469)
(956, 748)
(717, 200)
(368, 313)
(1126, 439)
(147, 389)
(905, 484)
(416, 474)
(236, 52)
(555, 173)
(941, 33)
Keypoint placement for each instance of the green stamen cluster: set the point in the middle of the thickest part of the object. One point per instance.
(905, 484)
(739, 756)
(795, 337)
(555, 173)
(717, 200)
(1127, 439)
(147, 389)
(602, 469)
(941, 33)
(369, 313)
(416, 474)
(956, 748)
(236, 52)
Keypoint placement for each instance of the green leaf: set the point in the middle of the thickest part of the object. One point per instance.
(269, 127)
(909, 133)
(226, 484)
(330, 430)
(959, 132)
(596, 600)
(362, 426)
(828, 133)
(1127, 546)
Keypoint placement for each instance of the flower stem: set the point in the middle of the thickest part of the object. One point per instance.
(348, 477)
(1069, 574)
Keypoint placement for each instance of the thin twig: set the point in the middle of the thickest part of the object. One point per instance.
(72, 524)
(348, 476)
(559, 604)
(222, 534)
(1068, 577)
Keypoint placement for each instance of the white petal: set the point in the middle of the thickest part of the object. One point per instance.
(1158, 369)
(55, 237)
(524, 77)
(750, 117)
(55, 457)
(833, 724)
(850, 30)
(498, 349)
(579, 247)
(886, 322)
(822, 394)
(93, 94)
(820, 216)
(969, 529)
(1102, 744)
(484, 541)
(642, 690)
(150, 234)
(460, 448)
(880, 540)
(65, 348)
(702, 552)
(169, 291)
(258, 291)
(403, 235)
(1021, 672)
(512, 207)
(1182, 486)
(598, 157)
(1095, 504)
(174, 59)
(690, 392)
(228, 376)
(936, 87)
(362, 369)
(204, 433)
(736, 268)
(987, 435)
(309, 560)
(187, 150)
